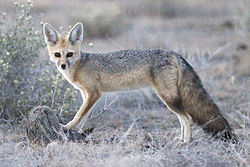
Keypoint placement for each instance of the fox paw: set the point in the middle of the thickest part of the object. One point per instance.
(178, 139)
(68, 126)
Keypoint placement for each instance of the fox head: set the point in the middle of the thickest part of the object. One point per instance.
(63, 51)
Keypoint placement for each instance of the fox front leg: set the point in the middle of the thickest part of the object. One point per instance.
(90, 98)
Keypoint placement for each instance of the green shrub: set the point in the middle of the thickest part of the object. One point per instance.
(20, 43)
(26, 79)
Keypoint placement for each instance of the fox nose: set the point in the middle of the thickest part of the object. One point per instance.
(63, 66)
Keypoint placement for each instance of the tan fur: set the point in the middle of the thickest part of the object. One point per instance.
(173, 79)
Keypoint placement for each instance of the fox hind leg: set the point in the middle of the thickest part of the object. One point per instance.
(181, 138)
(187, 127)
(173, 103)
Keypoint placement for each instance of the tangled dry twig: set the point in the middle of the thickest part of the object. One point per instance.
(43, 127)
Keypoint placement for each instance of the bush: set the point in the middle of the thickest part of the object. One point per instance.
(25, 79)
(20, 43)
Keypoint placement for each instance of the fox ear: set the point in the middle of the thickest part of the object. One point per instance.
(76, 33)
(50, 34)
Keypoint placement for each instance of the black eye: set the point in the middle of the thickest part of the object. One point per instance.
(57, 54)
(69, 54)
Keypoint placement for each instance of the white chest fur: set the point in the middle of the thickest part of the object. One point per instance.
(70, 78)
(76, 85)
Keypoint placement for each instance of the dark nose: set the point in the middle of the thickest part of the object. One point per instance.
(63, 66)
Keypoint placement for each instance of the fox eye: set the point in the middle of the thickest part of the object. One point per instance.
(69, 54)
(57, 54)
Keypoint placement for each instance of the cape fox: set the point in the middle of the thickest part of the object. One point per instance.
(173, 79)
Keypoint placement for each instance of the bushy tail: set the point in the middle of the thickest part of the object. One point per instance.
(199, 105)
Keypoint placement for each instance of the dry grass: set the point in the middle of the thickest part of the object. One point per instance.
(134, 144)
(134, 128)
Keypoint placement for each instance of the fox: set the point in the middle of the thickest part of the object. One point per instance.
(172, 78)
